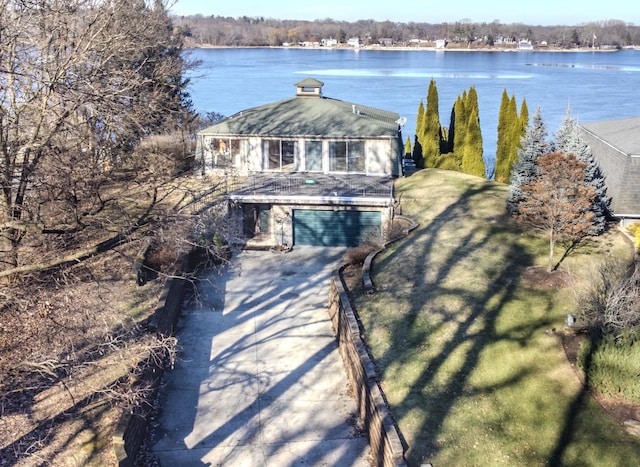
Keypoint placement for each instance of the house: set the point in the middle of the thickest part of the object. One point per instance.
(315, 170)
(353, 42)
(524, 44)
(441, 43)
(615, 145)
(331, 42)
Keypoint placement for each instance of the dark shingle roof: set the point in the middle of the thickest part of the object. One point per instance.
(310, 116)
(623, 134)
(616, 147)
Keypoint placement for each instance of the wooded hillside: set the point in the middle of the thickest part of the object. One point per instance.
(213, 30)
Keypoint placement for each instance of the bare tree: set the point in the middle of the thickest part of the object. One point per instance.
(81, 82)
(558, 201)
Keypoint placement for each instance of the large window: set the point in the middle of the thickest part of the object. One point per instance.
(282, 154)
(346, 156)
(313, 156)
(223, 151)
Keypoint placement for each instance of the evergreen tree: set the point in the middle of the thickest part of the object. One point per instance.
(534, 144)
(417, 146)
(452, 129)
(460, 125)
(472, 161)
(569, 140)
(420, 121)
(518, 132)
(471, 103)
(417, 153)
(430, 137)
(502, 146)
(524, 115)
(407, 147)
(511, 130)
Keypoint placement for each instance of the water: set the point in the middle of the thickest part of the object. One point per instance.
(596, 85)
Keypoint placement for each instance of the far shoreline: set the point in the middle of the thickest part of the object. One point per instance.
(419, 49)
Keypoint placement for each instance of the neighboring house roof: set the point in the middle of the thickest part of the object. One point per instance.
(622, 134)
(310, 116)
(615, 145)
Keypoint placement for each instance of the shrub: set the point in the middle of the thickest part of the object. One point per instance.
(611, 364)
(358, 254)
(610, 302)
(371, 241)
(635, 230)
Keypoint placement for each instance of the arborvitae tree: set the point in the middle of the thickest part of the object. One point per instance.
(517, 133)
(472, 161)
(417, 153)
(430, 137)
(502, 147)
(533, 145)
(452, 129)
(420, 121)
(511, 129)
(569, 140)
(524, 115)
(407, 147)
(513, 133)
(471, 103)
(460, 123)
(417, 146)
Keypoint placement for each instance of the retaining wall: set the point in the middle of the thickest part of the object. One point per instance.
(132, 428)
(386, 445)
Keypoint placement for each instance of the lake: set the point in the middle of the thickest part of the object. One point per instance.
(596, 85)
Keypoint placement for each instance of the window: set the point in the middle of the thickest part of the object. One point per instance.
(223, 151)
(313, 156)
(346, 156)
(281, 154)
(355, 156)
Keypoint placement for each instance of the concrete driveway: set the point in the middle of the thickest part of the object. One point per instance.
(260, 381)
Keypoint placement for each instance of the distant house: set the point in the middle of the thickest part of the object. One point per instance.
(316, 170)
(331, 42)
(441, 43)
(525, 45)
(615, 145)
(353, 42)
(385, 41)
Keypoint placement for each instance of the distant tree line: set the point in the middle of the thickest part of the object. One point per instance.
(200, 30)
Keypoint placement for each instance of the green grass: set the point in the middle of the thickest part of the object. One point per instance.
(468, 361)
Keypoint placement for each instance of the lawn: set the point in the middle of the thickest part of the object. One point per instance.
(469, 348)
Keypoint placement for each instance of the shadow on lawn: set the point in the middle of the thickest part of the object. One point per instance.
(475, 329)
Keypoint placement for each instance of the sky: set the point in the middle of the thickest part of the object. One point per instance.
(534, 12)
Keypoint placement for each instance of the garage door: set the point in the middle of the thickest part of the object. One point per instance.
(332, 228)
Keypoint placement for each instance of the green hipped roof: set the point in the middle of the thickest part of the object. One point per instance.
(309, 116)
(310, 83)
